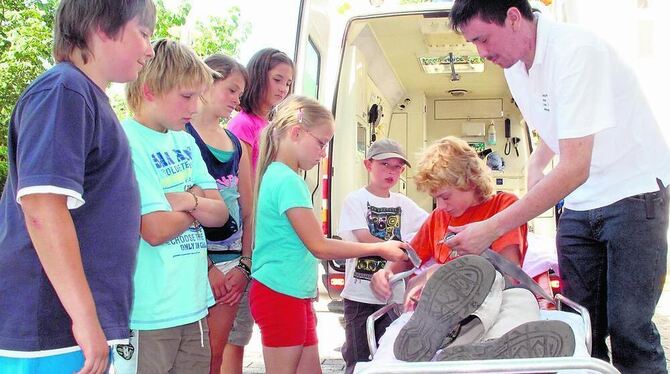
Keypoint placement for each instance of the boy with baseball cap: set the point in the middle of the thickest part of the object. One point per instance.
(371, 214)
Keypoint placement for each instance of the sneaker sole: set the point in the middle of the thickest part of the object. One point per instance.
(535, 339)
(454, 291)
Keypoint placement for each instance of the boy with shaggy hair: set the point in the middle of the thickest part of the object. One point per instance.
(70, 223)
(172, 291)
(464, 306)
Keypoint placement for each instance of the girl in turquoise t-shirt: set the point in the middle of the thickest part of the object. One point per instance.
(289, 240)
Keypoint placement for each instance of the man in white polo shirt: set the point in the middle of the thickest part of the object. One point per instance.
(614, 167)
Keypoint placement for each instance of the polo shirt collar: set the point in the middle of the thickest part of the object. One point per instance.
(541, 39)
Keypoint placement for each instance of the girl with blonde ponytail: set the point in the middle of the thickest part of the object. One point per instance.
(289, 240)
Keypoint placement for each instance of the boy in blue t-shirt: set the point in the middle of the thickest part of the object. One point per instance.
(69, 219)
(172, 291)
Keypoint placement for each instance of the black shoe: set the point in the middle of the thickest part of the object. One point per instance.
(531, 340)
(453, 292)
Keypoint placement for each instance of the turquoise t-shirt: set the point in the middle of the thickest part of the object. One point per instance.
(170, 282)
(280, 259)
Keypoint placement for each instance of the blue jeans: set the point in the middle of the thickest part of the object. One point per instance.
(613, 261)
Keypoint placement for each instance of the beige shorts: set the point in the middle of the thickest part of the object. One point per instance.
(182, 349)
(240, 333)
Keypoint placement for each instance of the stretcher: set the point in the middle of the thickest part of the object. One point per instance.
(581, 362)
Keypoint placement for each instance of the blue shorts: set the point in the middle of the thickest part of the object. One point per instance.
(65, 363)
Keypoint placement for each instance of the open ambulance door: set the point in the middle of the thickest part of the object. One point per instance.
(311, 55)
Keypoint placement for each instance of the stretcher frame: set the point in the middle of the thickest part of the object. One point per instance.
(526, 365)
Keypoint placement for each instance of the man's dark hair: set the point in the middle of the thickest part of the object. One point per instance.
(258, 67)
(76, 19)
(491, 11)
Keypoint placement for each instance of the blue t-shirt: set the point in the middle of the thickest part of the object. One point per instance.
(64, 137)
(280, 259)
(225, 174)
(171, 284)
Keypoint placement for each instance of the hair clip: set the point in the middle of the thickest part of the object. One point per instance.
(300, 115)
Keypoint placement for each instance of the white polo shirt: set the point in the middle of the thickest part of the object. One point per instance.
(578, 86)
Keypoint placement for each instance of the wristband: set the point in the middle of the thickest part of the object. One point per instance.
(196, 202)
(244, 271)
(245, 258)
(244, 267)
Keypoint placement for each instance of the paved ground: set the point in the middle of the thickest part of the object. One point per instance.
(331, 335)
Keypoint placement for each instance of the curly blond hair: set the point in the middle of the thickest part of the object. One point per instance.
(451, 162)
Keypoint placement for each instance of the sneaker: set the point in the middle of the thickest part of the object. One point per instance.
(454, 292)
(534, 339)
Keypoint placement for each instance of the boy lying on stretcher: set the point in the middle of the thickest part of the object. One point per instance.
(464, 309)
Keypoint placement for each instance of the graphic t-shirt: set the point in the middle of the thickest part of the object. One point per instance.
(280, 259)
(394, 217)
(65, 139)
(223, 167)
(171, 284)
(433, 230)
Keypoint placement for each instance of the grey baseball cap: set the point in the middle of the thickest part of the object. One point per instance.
(386, 148)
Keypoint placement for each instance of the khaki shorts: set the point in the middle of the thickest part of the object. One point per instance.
(182, 349)
(240, 333)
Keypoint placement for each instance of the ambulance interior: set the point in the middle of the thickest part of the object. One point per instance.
(411, 78)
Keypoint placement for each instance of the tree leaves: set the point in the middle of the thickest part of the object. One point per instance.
(26, 33)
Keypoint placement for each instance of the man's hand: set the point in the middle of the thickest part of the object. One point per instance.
(380, 284)
(472, 238)
(91, 339)
(218, 282)
(236, 282)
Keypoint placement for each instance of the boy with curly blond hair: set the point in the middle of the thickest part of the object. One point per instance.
(461, 303)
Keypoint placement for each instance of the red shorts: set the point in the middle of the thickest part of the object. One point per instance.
(285, 321)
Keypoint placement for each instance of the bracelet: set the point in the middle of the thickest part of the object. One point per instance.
(245, 258)
(244, 267)
(244, 271)
(196, 202)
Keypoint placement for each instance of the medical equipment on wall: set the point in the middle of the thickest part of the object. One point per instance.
(491, 138)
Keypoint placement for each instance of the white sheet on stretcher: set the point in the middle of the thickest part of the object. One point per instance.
(385, 354)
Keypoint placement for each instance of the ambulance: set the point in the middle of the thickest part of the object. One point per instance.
(395, 69)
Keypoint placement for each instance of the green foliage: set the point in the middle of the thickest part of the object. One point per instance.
(25, 50)
(4, 167)
(168, 22)
(221, 35)
(214, 35)
(26, 42)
